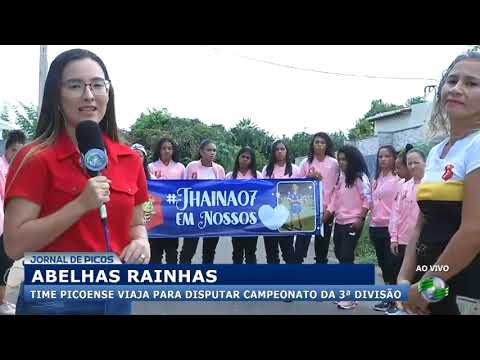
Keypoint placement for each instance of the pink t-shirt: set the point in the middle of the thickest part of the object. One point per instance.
(241, 176)
(195, 170)
(348, 202)
(279, 172)
(404, 214)
(173, 171)
(384, 190)
(329, 170)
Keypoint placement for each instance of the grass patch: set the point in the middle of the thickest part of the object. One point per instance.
(365, 252)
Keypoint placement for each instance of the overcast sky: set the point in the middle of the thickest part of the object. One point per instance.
(218, 84)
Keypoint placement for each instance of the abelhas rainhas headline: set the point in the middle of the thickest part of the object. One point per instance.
(115, 276)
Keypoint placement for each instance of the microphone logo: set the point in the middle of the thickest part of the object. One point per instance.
(95, 160)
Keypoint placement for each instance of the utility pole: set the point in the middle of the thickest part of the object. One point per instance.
(42, 74)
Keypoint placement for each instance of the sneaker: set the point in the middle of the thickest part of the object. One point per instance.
(347, 305)
(7, 309)
(393, 310)
(381, 306)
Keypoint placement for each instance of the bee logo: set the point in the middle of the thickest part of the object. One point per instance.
(448, 174)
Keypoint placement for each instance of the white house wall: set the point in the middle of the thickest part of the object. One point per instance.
(419, 115)
(392, 123)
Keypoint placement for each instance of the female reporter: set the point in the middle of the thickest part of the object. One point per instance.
(447, 231)
(56, 210)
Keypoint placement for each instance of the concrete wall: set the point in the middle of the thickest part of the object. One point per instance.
(392, 123)
(368, 146)
(418, 116)
(409, 136)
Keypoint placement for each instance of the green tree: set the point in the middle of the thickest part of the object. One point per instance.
(298, 144)
(474, 48)
(187, 133)
(246, 133)
(338, 139)
(4, 114)
(415, 100)
(26, 117)
(363, 129)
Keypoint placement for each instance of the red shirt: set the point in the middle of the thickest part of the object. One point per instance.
(54, 177)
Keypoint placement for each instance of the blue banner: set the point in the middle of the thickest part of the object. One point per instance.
(221, 274)
(202, 208)
(86, 293)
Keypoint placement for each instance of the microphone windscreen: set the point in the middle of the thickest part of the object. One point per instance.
(91, 145)
(89, 136)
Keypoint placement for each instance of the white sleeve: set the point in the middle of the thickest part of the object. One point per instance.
(367, 189)
(472, 155)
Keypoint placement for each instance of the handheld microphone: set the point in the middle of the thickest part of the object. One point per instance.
(94, 158)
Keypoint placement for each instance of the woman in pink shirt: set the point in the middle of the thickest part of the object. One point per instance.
(280, 167)
(203, 169)
(404, 175)
(385, 187)
(406, 208)
(349, 205)
(165, 166)
(15, 140)
(320, 165)
(245, 168)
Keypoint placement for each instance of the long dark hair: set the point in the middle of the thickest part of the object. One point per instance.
(158, 148)
(392, 152)
(203, 145)
(402, 155)
(50, 120)
(253, 162)
(15, 137)
(357, 166)
(272, 160)
(330, 148)
(145, 168)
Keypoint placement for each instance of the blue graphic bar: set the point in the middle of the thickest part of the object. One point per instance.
(215, 274)
(55, 293)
